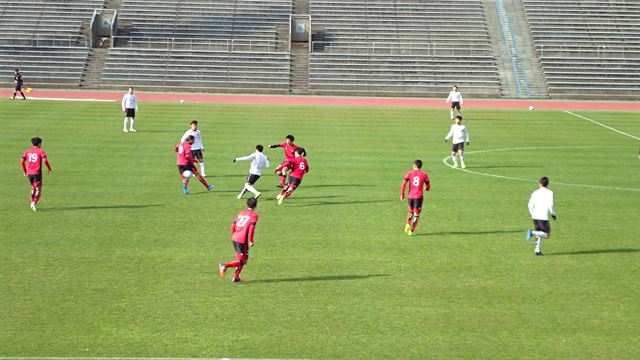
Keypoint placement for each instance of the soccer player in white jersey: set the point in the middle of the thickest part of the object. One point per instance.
(129, 108)
(258, 161)
(455, 97)
(540, 206)
(197, 149)
(460, 134)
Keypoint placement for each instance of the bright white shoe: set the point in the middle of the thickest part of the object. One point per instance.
(462, 166)
(454, 166)
(132, 130)
(239, 196)
(33, 206)
(280, 199)
(125, 130)
(258, 195)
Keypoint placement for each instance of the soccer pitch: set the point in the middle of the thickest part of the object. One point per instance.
(119, 263)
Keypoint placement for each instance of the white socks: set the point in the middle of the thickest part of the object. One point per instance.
(455, 162)
(451, 114)
(538, 241)
(202, 168)
(125, 124)
(131, 128)
(540, 234)
(251, 188)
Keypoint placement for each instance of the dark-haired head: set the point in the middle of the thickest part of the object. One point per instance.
(252, 203)
(544, 181)
(259, 148)
(418, 164)
(36, 141)
(301, 151)
(194, 122)
(290, 138)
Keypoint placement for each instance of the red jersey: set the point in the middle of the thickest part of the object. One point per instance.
(33, 159)
(299, 167)
(243, 226)
(417, 180)
(184, 153)
(289, 150)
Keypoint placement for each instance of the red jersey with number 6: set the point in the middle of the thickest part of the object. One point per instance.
(243, 226)
(299, 167)
(33, 157)
(417, 181)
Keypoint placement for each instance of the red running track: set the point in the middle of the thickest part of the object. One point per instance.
(332, 101)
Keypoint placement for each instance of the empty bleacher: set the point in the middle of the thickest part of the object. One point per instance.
(587, 48)
(401, 47)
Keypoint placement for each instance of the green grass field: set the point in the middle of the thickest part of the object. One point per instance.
(119, 263)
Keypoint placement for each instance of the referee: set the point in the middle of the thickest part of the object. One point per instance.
(17, 79)
(129, 108)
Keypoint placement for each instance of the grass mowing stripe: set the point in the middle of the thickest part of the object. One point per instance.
(601, 124)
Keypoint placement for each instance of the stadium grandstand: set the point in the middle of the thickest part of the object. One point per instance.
(581, 49)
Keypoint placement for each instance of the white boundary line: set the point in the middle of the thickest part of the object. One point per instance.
(115, 358)
(444, 161)
(63, 99)
(603, 125)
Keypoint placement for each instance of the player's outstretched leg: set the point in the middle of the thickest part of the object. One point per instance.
(204, 182)
(414, 223)
(250, 188)
(23, 97)
(244, 190)
(538, 252)
(455, 162)
(407, 226)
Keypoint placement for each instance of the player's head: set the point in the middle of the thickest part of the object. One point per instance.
(252, 203)
(300, 152)
(16, 71)
(191, 139)
(194, 125)
(130, 89)
(289, 139)
(544, 181)
(417, 164)
(259, 148)
(455, 87)
(36, 141)
(458, 119)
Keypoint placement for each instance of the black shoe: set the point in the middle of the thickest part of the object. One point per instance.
(280, 186)
(539, 253)
(236, 280)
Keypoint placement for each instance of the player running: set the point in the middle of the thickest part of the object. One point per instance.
(17, 79)
(299, 167)
(242, 231)
(186, 166)
(540, 206)
(258, 161)
(456, 100)
(289, 147)
(32, 168)
(417, 180)
(459, 133)
(197, 149)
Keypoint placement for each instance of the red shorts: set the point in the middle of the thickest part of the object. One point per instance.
(282, 166)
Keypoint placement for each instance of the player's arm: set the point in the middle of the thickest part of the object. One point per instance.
(252, 229)
(46, 162)
(461, 101)
(449, 135)
(448, 98)
(403, 188)
(275, 146)
(532, 204)
(551, 209)
(24, 166)
(266, 163)
(466, 132)
(184, 136)
(427, 185)
(124, 99)
(243, 158)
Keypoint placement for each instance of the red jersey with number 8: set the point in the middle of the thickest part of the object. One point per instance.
(33, 157)
(299, 167)
(417, 181)
(241, 227)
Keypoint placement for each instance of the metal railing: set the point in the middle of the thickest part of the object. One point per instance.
(36, 40)
(228, 45)
(397, 48)
(591, 50)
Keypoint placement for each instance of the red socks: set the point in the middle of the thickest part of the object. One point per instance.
(283, 180)
(235, 264)
(415, 223)
(203, 181)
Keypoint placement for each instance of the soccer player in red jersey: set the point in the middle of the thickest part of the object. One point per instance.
(289, 147)
(186, 163)
(242, 230)
(299, 167)
(417, 180)
(32, 168)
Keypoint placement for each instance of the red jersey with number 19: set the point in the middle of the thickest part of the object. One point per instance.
(241, 229)
(417, 181)
(33, 157)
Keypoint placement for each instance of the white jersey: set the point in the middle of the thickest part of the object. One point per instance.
(129, 102)
(258, 161)
(197, 144)
(459, 133)
(455, 96)
(541, 204)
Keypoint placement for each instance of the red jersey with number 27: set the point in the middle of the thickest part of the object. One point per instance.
(241, 229)
(417, 181)
(184, 153)
(33, 157)
(299, 167)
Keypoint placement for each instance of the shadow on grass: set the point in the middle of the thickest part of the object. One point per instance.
(337, 185)
(472, 232)
(502, 166)
(325, 203)
(319, 278)
(595, 252)
(100, 207)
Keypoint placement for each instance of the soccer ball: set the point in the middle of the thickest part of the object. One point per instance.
(187, 174)
(182, 101)
(531, 108)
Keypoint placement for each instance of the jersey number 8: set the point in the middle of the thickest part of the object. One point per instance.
(416, 181)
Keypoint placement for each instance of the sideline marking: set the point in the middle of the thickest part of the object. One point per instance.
(117, 358)
(65, 99)
(603, 125)
(444, 161)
